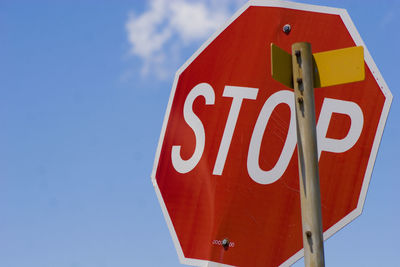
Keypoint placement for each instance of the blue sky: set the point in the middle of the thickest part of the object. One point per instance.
(83, 96)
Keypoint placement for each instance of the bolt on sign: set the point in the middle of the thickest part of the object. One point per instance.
(226, 169)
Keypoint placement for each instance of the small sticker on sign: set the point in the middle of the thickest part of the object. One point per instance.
(219, 243)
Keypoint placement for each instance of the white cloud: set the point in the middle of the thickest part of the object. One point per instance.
(193, 21)
(157, 35)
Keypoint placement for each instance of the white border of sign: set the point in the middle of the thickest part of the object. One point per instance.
(378, 77)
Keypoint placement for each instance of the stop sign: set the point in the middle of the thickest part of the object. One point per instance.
(226, 172)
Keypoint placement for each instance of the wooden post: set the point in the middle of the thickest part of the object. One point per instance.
(302, 63)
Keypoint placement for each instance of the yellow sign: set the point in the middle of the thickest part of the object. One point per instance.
(330, 68)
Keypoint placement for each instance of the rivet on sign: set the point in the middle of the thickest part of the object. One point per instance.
(287, 28)
(225, 243)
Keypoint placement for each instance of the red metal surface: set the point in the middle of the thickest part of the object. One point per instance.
(263, 222)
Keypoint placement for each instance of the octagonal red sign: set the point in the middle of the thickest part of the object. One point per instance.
(226, 164)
